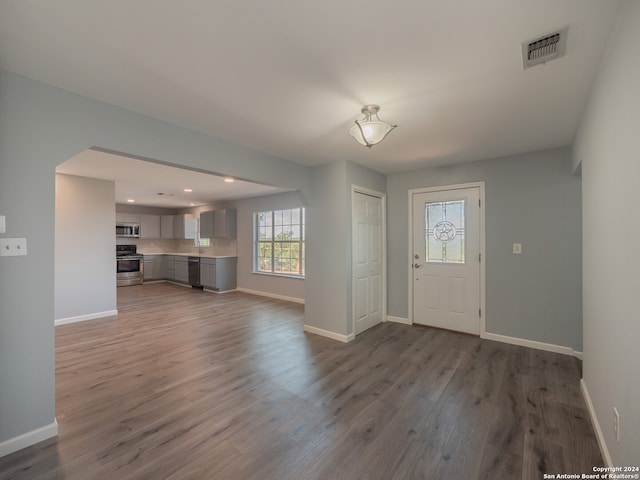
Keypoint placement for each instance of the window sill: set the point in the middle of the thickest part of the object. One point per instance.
(279, 275)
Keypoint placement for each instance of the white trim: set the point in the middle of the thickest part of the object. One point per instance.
(272, 295)
(30, 438)
(218, 292)
(483, 262)
(326, 333)
(596, 425)
(82, 318)
(404, 321)
(523, 342)
(383, 199)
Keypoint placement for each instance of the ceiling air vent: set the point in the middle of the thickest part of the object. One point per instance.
(544, 49)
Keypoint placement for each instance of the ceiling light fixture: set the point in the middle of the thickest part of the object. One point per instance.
(370, 130)
(130, 200)
(228, 180)
(188, 190)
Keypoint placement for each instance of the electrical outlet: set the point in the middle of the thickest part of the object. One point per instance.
(616, 424)
(3, 224)
(13, 247)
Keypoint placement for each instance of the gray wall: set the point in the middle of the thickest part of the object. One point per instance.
(328, 281)
(85, 273)
(41, 127)
(270, 284)
(608, 146)
(531, 199)
(325, 283)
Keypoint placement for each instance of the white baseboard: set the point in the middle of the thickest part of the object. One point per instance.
(596, 425)
(27, 439)
(271, 295)
(82, 318)
(327, 333)
(404, 321)
(523, 342)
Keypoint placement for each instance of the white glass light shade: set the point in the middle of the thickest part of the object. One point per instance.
(370, 130)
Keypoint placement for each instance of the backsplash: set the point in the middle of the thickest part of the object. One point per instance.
(219, 247)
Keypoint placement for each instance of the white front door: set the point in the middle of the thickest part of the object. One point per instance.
(367, 213)
(446, 259)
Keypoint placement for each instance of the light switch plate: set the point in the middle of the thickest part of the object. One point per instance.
(517, 248)
(13, 247)
(3, 225)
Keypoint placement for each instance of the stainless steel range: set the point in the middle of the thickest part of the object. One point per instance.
(129, 266)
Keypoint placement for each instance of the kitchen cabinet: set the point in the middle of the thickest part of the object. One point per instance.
(127, 218)
(166, 226)
(218, 223)
(181, 270)
(224, 223)
(161, 267)
(184, 226)
(218, 274)
(155, 267)
(149, 226)
(208, 273)
(206, 224)
(171, 267)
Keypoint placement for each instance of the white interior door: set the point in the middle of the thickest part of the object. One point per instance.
(367, 213)
(446, 259)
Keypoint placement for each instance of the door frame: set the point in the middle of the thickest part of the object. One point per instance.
(483, 257)
(383, 245)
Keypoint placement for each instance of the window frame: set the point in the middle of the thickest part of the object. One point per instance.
(301, 242)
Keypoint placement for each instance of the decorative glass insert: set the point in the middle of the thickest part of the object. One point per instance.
(444, 235)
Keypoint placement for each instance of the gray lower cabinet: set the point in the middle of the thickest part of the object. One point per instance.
(171, 267)
(218, 274)
(155, 267)
(182, 270)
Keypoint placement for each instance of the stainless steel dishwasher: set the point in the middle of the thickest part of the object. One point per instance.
(194, 271)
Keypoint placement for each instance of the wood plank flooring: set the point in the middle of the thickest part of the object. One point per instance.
(190, 385)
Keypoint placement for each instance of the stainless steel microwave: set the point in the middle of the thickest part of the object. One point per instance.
(129, 230)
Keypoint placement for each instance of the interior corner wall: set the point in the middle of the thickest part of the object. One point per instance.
(532, 199)
(326, 249)
(85, 273)
(41, 127)
(607, 145)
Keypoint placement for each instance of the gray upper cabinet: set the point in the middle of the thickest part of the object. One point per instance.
(149, 226)
(206, 224)
(166, 226)
(184, 226)
(224, 223)
(218, 223)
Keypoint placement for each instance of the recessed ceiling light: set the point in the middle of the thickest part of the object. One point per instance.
(188, 190)
(130, 200)
(228, 180)
(192, 204)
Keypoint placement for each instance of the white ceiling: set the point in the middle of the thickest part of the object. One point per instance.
(156, 185)
(288, 77)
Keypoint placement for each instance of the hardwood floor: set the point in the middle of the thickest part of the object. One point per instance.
(189, 385)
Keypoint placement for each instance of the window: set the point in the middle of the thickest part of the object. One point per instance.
(279, 242)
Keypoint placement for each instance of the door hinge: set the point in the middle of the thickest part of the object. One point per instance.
(480, 312)
(479, 203)
(479, 258)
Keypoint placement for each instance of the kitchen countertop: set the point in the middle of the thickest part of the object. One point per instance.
(189, 255)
